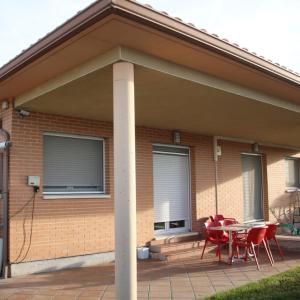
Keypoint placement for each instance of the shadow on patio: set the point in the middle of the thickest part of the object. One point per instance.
(185, 279)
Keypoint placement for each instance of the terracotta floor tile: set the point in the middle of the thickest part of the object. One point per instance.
(201, 282)
(64, 297)
(204, 290)
(162, 293)
(157, 290)
(19, 297)
(4, 295)
(142, 295)
(162, 297)
(240, 282)
(41, 297)
(158, 280)
(46, 292)
(221, 288)
(163, 283)
(67, 293)
(182, 294)
(108, 294)
(28, 292)
(91, 294)
(185, 297)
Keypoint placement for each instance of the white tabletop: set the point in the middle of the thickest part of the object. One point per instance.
(229, 228)
(239, 226)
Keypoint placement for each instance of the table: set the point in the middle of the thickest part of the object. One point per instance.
(236, 228)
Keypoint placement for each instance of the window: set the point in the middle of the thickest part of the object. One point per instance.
(73, 164)
(292, 172)
(1, 172)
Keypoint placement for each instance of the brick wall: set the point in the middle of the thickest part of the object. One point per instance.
(60, 228)
(280, 202)
(69, 227)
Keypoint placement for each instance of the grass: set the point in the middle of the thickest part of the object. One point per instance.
(281, 286)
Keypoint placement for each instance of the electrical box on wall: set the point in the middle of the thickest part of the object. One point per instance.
(33, 181)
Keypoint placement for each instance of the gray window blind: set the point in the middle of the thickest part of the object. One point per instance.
(1, 172)
(292, 172)
(252, 186)
(73, 164)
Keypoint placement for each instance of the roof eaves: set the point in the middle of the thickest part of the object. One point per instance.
(159, 20)
(83, 19)
(223, 40)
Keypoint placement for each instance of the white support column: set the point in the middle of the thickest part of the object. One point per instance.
(125, 181)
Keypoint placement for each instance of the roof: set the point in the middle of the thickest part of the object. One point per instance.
(151, 17)
(221, 39)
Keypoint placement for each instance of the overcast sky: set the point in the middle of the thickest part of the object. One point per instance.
(269, 27)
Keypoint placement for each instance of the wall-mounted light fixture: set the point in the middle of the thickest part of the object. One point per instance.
(176, 137)
(4, 104)
(24, 113)
(255, 147)
(219, 150)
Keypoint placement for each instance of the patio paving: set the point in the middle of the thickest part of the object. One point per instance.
(186, 279)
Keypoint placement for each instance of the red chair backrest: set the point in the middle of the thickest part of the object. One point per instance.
(271, 231)
(256, 235)
(216, 234)
(218, 217)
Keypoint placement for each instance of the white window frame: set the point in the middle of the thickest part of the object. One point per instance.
(297, 159)
(262, 186)
(82, 194)
(188, 223)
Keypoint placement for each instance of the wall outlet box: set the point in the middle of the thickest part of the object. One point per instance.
(33, 181)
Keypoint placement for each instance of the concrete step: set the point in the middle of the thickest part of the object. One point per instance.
(165, 248)
(177, 247)
(287, 242)
(176, 255)
(182, 253)
(171, 239)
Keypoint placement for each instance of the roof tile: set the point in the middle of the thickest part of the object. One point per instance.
(217, 37)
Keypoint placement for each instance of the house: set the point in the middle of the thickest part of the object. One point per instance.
(123, 103)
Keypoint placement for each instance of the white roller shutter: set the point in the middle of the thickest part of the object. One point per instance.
(171, 187)
(292, 172)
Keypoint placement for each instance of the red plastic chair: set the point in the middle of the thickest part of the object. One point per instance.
(217, 218)
(216, 237)
(271, 235)
(235, 235)
(255, 237)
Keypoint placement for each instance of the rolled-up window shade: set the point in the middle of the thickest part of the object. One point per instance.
(252, 187)
(1, 172)
(292, 172)
(73, 164)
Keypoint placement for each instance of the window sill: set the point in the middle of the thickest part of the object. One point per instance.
(292, 189)
(76, 196)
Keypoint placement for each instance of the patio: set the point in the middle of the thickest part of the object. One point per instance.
(183, 279)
